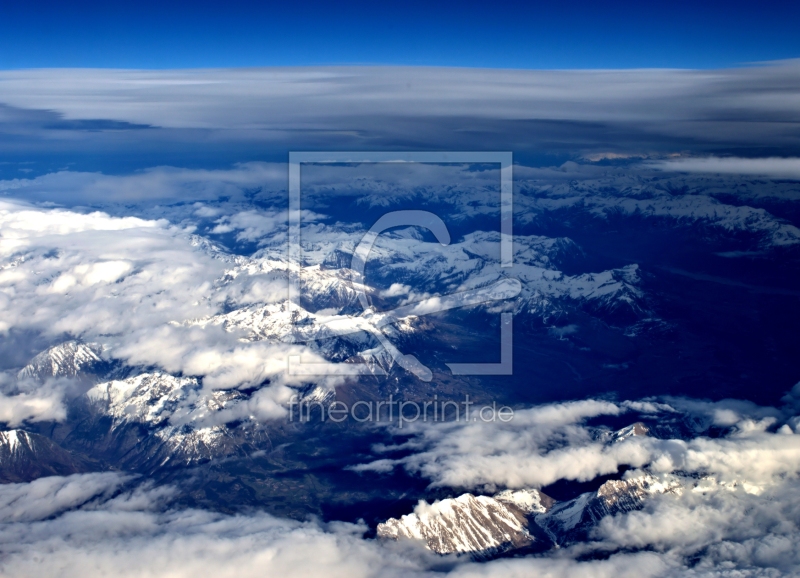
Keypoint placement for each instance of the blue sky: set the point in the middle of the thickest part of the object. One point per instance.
(492, 34)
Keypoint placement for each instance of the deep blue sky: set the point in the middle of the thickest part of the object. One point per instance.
(580, 34)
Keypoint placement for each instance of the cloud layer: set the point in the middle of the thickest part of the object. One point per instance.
(545, 444)
(356, 108)
(99, 524)
(737, 514)
(129, 284)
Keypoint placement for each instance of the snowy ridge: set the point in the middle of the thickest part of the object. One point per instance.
(320, 287)
(337, 337)
(10, 440)
(416, 269)
(486, 525)
(604, 192)
(637, 429)
(567, 520)
(149, 398)
(466, 524)
(528, 501)
(431, 268)
(215, 250)
(69, 359)
(167, 405)
(184, 446)
(377, 360)
(25, 456)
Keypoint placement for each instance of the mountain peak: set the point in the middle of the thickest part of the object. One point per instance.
(11, 439)
(68, 359)
(479, 525)
(25, 456)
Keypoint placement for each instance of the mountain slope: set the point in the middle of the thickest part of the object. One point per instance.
(25, 456)
(486, 526)
(481, 525)
(572, 520)
(150, 420)
(68, 359)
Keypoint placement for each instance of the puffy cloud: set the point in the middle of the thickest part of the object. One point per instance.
(716, 525)
(97, 524)
(792, 399)
(128, 283)
(623, 565)
(253, 225)
(542, 445)
(50, 496)
(46, 403)
(723, 413)
(100, 524)
(515, 453)
(81, 274)
(211, 352)
(741, 519)
(28, 400)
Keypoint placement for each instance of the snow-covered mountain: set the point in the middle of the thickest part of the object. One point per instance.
(403, 269)
(482, 525)
(68, 359)
(488, 525)
(337, 337)
(511, 519)
(572, 520)
(722, 204)
(153, 418)
(320, 287)
(410, 267)
(215, 250)
(25, 456)
(637, 429)
(607, 193)
(717, 201)
(156, 412)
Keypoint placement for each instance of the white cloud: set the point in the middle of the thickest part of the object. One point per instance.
(107, 524)
(514, 454)
(128, 283)
(50, 496)
(545, 444)
(96, 524)
(747, 524)
(772, 167)
(165, 184)
(214, 114)
(253, 225)
(45, 403)
(719, 526)
(68, 272)
(669, 101)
